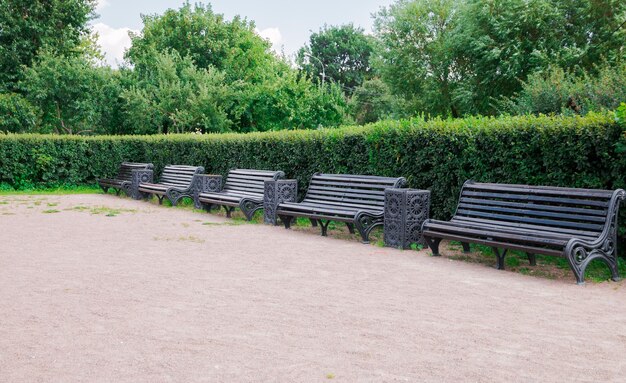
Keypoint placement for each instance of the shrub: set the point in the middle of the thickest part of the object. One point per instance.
(558, 91)
(436, 154)
(16, 113)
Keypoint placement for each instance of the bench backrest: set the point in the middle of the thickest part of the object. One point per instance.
(125, 172)
(355, 191)
(250, 181)
(179, 176)
(564, 210)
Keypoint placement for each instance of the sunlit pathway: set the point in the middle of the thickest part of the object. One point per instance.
(96, 288)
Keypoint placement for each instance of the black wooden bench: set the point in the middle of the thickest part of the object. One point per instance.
(175, 183)
(357, 200)
(577, 224)
(244, 188)
(123, 180)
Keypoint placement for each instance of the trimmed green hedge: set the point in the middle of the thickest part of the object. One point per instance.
(438, 154)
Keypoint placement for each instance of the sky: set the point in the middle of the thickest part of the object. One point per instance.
(287, 24)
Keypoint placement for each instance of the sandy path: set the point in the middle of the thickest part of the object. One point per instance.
(155, 295)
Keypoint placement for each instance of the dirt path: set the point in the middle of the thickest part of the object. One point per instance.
(103, 289)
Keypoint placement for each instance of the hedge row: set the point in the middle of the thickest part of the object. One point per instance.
(438, 154)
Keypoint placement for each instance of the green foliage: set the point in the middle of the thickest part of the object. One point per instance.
(417, 59)
(340, 53)
(500, 43)
(438, 154)
(71, 95)
(170, 94)
(28, 26)
(454, 58)
(558, 91)
(17, 115)
(207, 38)
(373, 101)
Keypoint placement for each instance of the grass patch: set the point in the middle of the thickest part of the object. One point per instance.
(182, 238)
(547, 266)
(50, 211)
(62, 190)
(101, 210)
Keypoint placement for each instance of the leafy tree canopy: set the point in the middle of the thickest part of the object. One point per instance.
(340, 53)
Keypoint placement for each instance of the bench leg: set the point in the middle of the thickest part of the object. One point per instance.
(579, 256)
(117, 192)
(160, 197)
(324, 227)
(313, 222)
(466, 247)
(350, 227)
(249, 208)
(532, 259)
(229, 211)
(433, 243)
(286, 220)
(105, 189)
(500, 257)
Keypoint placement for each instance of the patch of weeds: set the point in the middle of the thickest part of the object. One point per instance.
(417, 246)
(4, 203)
(548, 267)
(302, 222)
(182, 238)
(104, 210)
(52, 204)
(51, 211)
(61, 190)
(380, 243)
(8, 213)
(330, 376)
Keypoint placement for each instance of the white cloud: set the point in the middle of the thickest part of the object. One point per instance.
(102, 4)
(274, 36)
(113, 41)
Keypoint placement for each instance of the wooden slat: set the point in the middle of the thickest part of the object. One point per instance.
(530, 212)
(499, 227)
(356, 179)
(528, 226)
(495, 234)
(534, 206)
(521, 197)
(545, 222)
(543, 190)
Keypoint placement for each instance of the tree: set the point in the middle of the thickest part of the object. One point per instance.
(171, 95)
(71, 95)
(502, 42)
(17, 115)
(340, 53)
(373, 101)
(208, 39)
(29, 26)
(558, 91)
(416, 59)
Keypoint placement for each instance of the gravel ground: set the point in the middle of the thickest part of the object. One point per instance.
(95, 288)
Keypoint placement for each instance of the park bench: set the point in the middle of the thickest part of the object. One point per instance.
(577, 224)
(123, 180)
(175, 183)
(356, 200)
(244, 188)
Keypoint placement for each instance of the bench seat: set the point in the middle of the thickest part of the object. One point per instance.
(176, 182)
(577, 224)
(356, 200)
(244, 188)
(123, 179)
